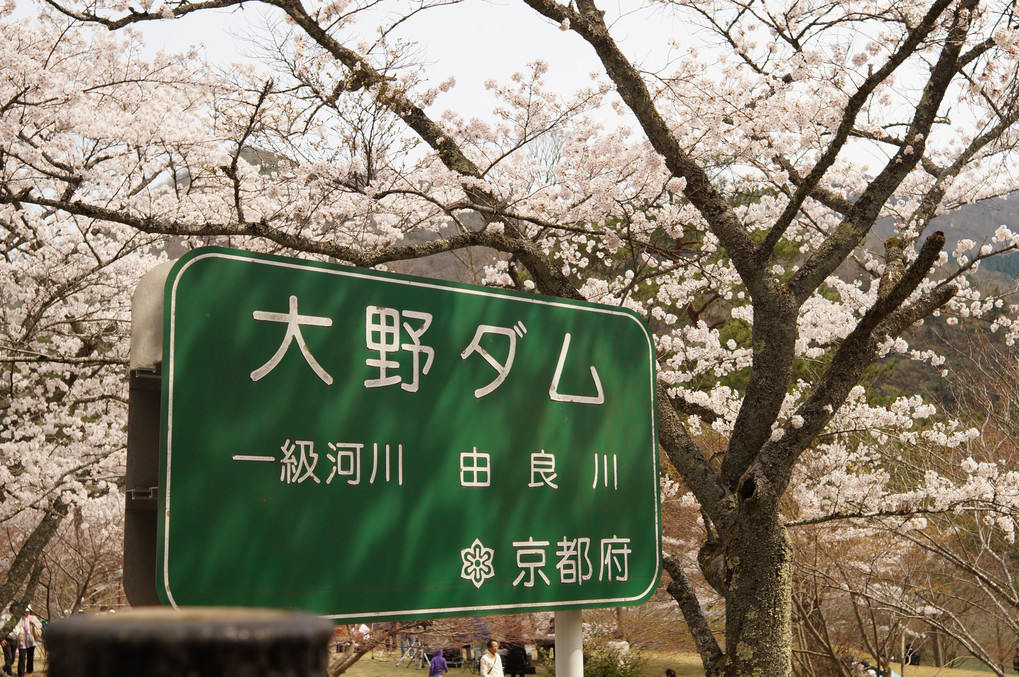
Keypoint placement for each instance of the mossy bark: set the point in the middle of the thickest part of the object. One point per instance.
(758, 604)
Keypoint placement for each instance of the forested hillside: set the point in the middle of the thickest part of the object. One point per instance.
(996, 275)
(977, 222)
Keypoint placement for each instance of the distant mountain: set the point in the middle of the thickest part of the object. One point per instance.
(977, 222)
(895, 375)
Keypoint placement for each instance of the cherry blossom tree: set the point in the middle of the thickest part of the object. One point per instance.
(735, 203)
(872, 592)
(84, 561)
(65, 300)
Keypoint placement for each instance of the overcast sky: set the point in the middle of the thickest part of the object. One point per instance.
(473, 41)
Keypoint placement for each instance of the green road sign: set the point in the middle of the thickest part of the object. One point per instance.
(374, 446)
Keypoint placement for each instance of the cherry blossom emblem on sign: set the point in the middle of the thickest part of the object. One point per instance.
(477, 563)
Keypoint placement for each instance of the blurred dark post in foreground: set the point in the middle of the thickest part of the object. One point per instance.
(194, 642)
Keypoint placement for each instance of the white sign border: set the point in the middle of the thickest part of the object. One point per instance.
(297, 264)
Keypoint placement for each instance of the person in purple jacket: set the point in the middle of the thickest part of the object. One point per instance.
(438, 666)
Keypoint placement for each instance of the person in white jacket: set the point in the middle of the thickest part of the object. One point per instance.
(491, 661)
(26, 630)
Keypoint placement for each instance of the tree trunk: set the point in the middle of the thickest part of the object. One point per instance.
(26, 564)
(936, 648)
(758, 604)
(33, 583)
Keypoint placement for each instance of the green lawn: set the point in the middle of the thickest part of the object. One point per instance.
(685, 665)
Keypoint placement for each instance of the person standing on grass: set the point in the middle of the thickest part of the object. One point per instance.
(10, 642)
(491, 662)
(26, 629)
(516, 661)
(438, 667)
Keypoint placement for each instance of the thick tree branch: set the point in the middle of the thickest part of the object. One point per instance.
(910, 314)
(79, 361)
(828, 198)
(134, 16)
(869, 516)
(774, 333)
(808, 184)
(687, 458)
(548, 278)
(681, 590)
(867, 207)
(688, 408)
(589, 23)
(886, 318)
(932, 199)
(774, 338)
(31, 550)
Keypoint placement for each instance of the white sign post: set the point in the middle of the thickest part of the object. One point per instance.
(569, 643)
